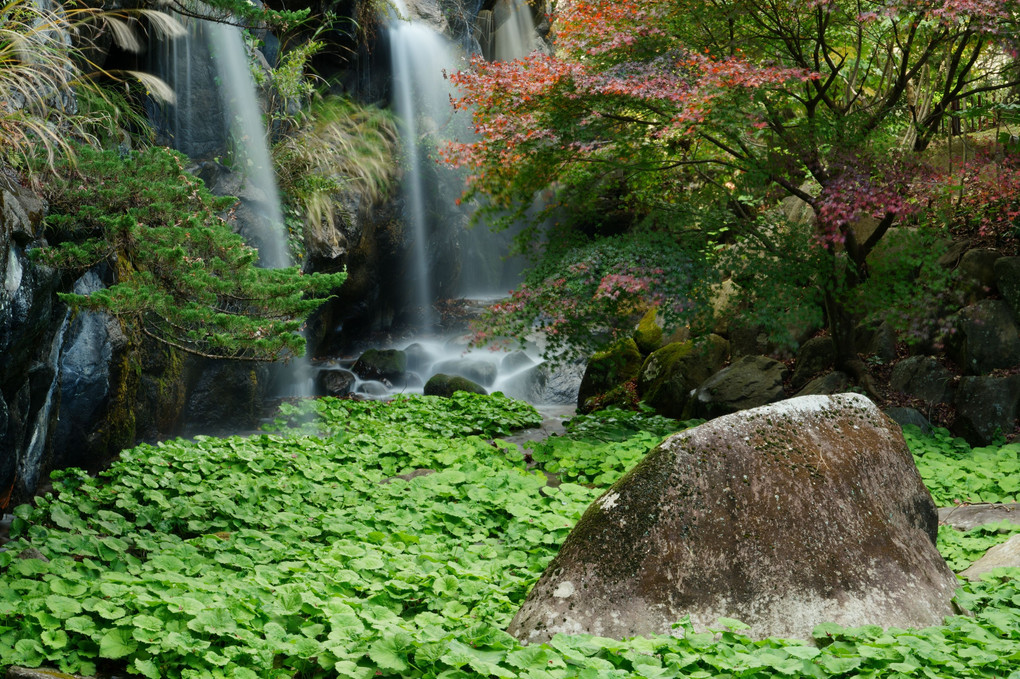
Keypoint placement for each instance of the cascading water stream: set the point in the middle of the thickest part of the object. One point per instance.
(514, 34)
(420, 56)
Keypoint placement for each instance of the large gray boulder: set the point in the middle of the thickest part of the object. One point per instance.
(815, 356)
(784, 517)
(748, 383)
(476, 370)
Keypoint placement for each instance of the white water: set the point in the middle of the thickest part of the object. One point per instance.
(251, 151)
(420, 56)
(514, 34)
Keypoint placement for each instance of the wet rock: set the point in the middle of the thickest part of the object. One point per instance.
(481, 372)
(750, 382)
(381, 364)
(418, 357)
(608, 369)
(547, 385)
(446, 385)
(923, 377)
(85, 371)
(814, 356)
(987, 338)
(334, 382)
(32, 553)
(373, 388)
(514, 361)
(669, 374)
(986, 407)
(1004, 555)
(784, 517)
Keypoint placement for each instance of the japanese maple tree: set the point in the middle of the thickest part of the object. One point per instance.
(739, 103)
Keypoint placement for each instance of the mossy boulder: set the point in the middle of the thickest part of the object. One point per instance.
(648, 334)
(785, 517)
(608, 369)
(445, 385)
(381, 364)
(669, 374)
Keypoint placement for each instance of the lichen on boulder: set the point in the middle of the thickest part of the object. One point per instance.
(784, 517)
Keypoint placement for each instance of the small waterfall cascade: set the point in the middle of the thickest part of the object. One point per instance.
(513, 36)
(420, 56)
(211, 58)
(506, 30)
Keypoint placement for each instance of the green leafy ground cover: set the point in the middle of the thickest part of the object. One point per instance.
(285, 556)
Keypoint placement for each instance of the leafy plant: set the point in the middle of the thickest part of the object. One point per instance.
(587, 294)
(182, 276)
(954, 473)
(275, 557)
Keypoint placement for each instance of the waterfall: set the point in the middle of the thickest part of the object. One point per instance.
(211, 58)
(419, 56)
(514, 30)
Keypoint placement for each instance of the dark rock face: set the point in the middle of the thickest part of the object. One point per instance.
(987, 338)
(669, 374)
(986, 407)
(835, 382)
(446, 385)
(923, 377)
(750, 382)
(806, 511)
(224, 397)
(85, 371)
(30, 333)
(905, 416)
(977, 272)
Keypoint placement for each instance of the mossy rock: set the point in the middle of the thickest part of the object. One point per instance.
(623, 396)
(669, 374)
(608, 369)
(381, 364)
(445, 385)
(648, 334)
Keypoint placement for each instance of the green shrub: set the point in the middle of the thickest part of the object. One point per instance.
(182, 276)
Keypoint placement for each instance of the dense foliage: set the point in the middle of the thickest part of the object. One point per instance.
(283, 556)
(585, 293)
(735, 104)
(182, 276)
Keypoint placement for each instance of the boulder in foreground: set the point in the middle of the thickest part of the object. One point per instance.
(802, 512)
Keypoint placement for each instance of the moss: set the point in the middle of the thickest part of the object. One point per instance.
(445, 385)
(669, 374)
(648, 334)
